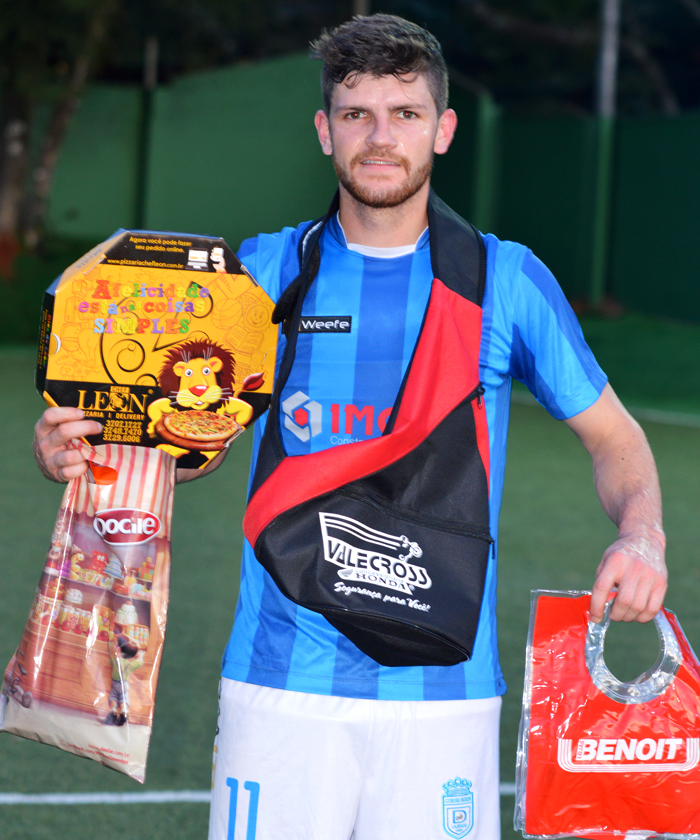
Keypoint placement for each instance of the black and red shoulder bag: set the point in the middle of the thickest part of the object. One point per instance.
(389, 538)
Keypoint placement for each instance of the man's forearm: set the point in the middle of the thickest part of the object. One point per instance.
(628, 487)
(627, 484)
(626, 480)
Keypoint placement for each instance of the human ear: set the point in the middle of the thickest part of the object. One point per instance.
(323, 129)
(447, 125)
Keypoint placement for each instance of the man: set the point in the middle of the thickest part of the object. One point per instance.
(124, 658)
(317, 740)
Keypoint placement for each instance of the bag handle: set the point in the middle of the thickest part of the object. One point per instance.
(646, 686)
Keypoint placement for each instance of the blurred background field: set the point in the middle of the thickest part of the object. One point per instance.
(552, 535)
(168, 114)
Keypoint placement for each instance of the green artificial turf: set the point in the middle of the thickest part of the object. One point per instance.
(650, 362)
(174, 821)
(22, 293)
(552, 535)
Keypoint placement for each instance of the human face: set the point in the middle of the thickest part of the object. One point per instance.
(382, 132)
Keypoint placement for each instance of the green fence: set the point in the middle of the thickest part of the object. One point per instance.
(656, 216)
(546, 193)
(229, 153)
(95, 187)
(233, 152)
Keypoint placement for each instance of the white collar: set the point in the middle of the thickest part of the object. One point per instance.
(372, 251)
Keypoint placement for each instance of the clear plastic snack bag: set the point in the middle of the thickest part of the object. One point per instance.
(598, 757)
(84, 675)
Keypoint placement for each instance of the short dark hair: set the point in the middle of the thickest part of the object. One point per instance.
(380, 45)
(128, 650)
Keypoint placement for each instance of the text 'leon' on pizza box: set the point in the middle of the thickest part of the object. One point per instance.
(164, 338)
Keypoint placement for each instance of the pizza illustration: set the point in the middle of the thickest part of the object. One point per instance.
(197, 429)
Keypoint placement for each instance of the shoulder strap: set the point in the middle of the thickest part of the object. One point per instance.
(309, 263)
(457, 251)
(458, 259)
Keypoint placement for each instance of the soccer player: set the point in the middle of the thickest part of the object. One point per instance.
(316, 739)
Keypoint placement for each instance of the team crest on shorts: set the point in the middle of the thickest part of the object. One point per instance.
(458, 807)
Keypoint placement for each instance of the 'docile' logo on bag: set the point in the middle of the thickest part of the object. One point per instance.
(119, 526)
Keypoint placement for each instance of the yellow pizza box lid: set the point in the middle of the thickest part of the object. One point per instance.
(154, 334)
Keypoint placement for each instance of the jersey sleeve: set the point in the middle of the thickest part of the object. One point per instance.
(272, 258)
(248, 253)
(548, 351)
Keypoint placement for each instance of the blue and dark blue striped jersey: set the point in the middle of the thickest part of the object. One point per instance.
(361, 319)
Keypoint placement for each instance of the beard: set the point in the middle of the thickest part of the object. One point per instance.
(378, 197)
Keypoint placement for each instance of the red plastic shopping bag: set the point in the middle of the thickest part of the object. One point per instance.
(84, 675)
(599, 757)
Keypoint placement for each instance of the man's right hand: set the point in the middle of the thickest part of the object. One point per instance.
(56, 427)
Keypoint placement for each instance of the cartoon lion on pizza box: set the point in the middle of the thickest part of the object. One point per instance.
(200, 408)
(165, 339)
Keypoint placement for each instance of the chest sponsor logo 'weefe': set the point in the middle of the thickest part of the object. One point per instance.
(326, 324)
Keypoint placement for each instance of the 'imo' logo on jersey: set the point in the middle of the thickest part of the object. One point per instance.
(302, 416)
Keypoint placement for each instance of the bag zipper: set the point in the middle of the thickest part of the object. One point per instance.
(416, 518)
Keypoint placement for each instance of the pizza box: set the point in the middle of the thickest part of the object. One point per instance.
(164, 338)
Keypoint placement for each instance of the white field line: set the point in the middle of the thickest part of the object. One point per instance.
(141, 798)
(652, 415)
(156, 796)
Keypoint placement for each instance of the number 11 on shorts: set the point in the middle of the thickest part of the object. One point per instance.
(254, 790)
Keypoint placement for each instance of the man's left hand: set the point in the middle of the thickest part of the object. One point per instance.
(633, 564)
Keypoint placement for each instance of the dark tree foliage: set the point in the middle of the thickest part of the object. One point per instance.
(209, 33)
(51, 49)
(537, 56)
(534, 55)
(48, 49)
(541, 55)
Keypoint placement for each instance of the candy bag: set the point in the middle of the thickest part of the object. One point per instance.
(84, 675)
(598, 757)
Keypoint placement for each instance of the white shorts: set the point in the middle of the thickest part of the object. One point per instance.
(311, 767)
